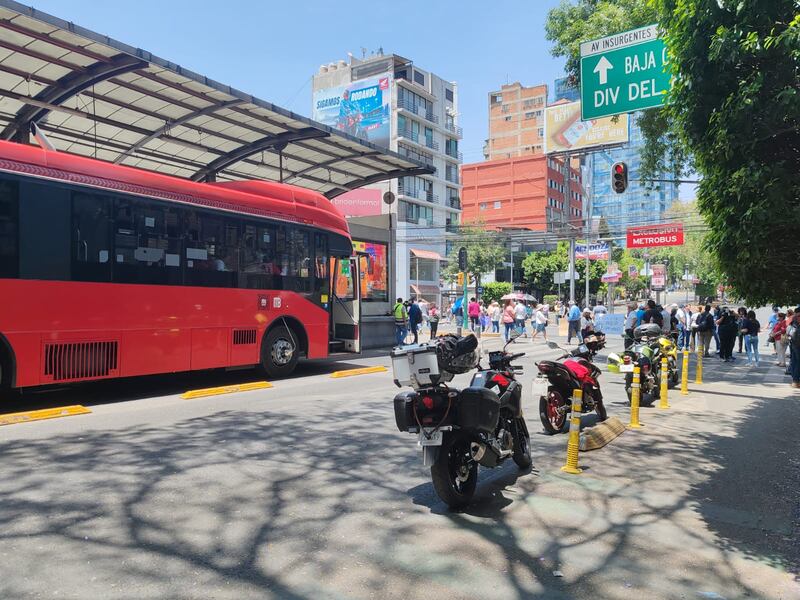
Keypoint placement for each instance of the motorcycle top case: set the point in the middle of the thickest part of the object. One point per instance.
(478, 409)
(416, 366)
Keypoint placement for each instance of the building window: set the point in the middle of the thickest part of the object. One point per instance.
(497, 98)
(507, 118)
(541, 131)
(419, 77)
(448, 94)
(529, 115)
(497, 204)
(505, 108)
(483, 206)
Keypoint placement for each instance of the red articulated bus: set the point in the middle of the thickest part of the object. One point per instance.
(110, 271)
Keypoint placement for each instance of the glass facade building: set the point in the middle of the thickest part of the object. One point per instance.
(639, 204)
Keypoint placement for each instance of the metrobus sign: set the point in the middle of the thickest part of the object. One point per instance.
(649, 236)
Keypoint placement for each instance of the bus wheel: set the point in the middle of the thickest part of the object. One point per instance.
(279, 353)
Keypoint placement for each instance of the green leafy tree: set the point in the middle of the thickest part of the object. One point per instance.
(571, 23)
(736, 101)
(540, 269)
(495, 290)
(485, 251)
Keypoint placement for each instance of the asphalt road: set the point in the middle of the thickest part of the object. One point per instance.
(307, 490)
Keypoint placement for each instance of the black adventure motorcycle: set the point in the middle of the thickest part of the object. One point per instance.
(461, 429)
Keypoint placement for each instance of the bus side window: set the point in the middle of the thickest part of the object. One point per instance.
(91, 237)
(9, 227)
(259, 269)
(212, 260)
(321, 281)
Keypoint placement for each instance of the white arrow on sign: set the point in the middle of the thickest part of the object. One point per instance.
(603, 65)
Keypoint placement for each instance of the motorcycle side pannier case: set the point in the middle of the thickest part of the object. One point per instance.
(404, 411)
(478, 409)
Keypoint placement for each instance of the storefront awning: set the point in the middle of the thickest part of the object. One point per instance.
(426, 292)
(429, 254)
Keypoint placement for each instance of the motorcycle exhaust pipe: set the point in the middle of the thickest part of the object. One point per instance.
(483, 454)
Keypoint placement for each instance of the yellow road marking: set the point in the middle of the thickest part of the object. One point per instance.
(226, 389)
(46, 413)
(361, 371)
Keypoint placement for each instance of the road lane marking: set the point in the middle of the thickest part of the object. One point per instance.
(226, 389)
(46, 413)
(361, 371)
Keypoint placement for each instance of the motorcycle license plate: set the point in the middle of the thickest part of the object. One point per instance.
(539, 388)
(435, 438)
(623, 368)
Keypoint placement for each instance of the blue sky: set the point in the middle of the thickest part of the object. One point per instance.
(271, 49)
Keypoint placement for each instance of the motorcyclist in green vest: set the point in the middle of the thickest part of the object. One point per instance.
(400, 318)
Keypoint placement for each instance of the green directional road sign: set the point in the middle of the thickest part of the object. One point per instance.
(623, 73)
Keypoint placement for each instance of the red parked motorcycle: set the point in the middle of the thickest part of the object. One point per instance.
(555, 383)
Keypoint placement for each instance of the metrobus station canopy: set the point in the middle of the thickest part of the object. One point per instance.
(97, 97)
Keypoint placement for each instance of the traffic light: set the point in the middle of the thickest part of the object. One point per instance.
(619, 177)
(461, 279)
(462, 259)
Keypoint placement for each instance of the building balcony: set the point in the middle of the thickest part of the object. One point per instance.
(418, 139)
(454, 129)
(451, 175)
(417, 193)
(454, 202)
(404, 104)
(423, 157)
(455, 154)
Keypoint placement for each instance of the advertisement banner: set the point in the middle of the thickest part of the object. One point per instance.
(361, 202)
(360, 108)
(659, 279)
(564, 130)
(597, 251)
(374, 271)
(633, 272)
(650, 236)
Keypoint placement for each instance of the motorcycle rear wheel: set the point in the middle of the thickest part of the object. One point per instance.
(522, 444)
(454, 473)
(553, 420)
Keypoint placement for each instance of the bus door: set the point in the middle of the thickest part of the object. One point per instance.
(345, 329)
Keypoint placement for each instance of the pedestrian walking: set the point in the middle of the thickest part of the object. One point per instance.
(773, 320)
(539, 323)
(520, 314)
(496, 313)
(414, 319)
(727, 328)
(474, 313)
(717, 315)
(684, 318)
(574, 321)
(741, 314)
(705, 329)
(749, 329)
(793, 333)
(400, 318)
(508, 319)
(433, 320)
(630, 325)
(778, 335)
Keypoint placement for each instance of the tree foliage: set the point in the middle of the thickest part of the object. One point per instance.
(571, 23)
(736, 101)
(485, 251)
(540, 269)
(495, 290)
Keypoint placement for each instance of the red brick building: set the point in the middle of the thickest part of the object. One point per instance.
(525, 192)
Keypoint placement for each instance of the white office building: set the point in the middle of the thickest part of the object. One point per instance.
(390, 101)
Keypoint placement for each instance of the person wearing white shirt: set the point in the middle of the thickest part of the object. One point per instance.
(520, 314)
(539, 323)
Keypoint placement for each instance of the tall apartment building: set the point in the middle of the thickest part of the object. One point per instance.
(389, 100)
(516, 121)
(524, 192)
(638, 205)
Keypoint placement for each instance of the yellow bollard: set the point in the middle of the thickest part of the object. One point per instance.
(699, 378)
(663, 402)
(574, 434)
(685, 374)
(635, 391)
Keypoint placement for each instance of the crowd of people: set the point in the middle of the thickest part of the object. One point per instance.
(695, 330)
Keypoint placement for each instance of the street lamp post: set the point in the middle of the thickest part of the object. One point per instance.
(514, 248)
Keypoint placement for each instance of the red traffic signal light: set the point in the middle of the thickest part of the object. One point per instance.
(619, 177)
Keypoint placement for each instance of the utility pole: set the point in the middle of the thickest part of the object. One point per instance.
(588, 215)
(571, 269)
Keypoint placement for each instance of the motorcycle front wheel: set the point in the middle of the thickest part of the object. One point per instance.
(454, 473)
(522, 444)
